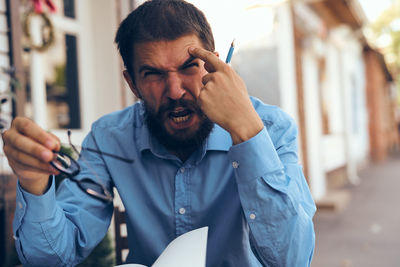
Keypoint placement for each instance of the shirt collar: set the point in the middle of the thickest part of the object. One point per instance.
(146, 141)
(143, 138)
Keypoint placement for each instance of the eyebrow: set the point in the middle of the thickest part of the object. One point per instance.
(188, 61)
(146, 67)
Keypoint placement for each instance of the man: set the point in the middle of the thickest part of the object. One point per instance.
(205, 154)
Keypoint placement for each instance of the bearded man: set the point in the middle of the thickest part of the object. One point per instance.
(203, 153)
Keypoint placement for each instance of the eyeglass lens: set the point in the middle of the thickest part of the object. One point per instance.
(94, 189)
(65, 164)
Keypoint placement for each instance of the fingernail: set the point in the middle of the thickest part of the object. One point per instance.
(47, 155)
(191, 49)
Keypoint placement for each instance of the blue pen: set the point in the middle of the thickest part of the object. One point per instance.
(230, 52)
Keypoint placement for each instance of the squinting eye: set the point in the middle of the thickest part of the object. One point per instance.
(190, 65)
(149, 73)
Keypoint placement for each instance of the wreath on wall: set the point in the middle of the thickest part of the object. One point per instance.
(47, 26)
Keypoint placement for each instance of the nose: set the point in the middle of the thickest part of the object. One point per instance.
(175, 88)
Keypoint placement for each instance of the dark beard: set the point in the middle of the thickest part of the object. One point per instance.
(178, 142)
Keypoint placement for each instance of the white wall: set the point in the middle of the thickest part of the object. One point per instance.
(347, 142)
(334, 147)
(313, 125)
(286, 62)
(4, 79)
(359, 139)
(98, 63)
(344, 96)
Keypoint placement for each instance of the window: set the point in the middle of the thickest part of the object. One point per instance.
(62, 83)
(69, 8)
(60, 74)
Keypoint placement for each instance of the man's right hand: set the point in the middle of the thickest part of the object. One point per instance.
(29, 149)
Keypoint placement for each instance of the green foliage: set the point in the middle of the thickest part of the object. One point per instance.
(388, 25)
(69, 151)
(60, 79)
(101, 256)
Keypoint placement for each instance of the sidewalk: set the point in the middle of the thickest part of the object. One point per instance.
(367, 232)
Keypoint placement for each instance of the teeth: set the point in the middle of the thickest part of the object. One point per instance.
(180, 119)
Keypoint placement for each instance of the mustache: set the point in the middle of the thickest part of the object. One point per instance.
(181, 103)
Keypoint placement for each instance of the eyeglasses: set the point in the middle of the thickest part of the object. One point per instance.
(67, 165)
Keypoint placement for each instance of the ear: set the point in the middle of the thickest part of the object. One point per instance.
(131, 84)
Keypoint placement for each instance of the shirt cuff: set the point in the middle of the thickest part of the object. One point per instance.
(254, 157)
(37, 208)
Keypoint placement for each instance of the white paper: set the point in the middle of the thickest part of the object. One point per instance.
(186, 250)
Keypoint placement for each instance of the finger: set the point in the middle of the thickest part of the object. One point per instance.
(24, 171)
(32, 130)
(212, 62)
(206, 78)
(28, 146)
(24, 159)
(213, 77)
(58, 141)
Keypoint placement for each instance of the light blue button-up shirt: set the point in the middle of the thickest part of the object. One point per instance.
(252, 196)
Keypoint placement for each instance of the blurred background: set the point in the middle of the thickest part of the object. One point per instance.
(333, 65)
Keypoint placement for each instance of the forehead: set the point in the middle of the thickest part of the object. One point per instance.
(164, 53)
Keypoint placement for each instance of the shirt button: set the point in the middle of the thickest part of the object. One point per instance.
(235, 164)
(20, 205)
(15, 238)
(182, 211)
(252, 216)
(182, 170)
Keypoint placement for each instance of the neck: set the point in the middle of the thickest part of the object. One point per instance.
(182, 154)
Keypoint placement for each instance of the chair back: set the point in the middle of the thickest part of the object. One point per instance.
(121, 241)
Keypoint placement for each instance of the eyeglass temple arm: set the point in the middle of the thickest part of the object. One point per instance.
(98, 151)
(108, 154)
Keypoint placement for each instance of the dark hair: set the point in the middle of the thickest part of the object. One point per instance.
(157, 20)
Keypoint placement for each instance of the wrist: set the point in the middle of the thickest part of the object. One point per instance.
(37, 186)
(246, 129)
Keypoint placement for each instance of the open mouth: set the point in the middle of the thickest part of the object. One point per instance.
(180, 115)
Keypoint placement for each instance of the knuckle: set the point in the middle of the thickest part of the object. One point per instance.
(207, 54)
(226, 68)
(16, 121)
(12, 154)
(7, 151)
(36, 150)
(4, 136)
(17, 141)
(24, 125)
(7, 137)
(42, 135)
